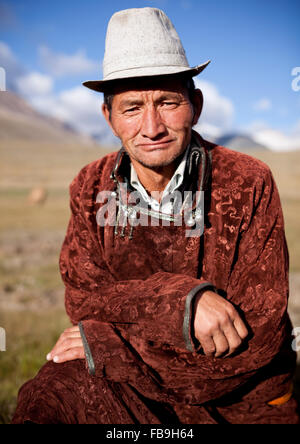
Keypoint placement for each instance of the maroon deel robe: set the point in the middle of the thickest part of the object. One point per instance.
(132, 297)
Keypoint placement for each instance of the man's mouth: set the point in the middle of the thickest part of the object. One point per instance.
(152, 146)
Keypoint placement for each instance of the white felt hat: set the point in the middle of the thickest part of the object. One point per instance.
(142, 42)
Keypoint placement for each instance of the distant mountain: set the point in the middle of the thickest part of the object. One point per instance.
(19, 121)
(239, 142)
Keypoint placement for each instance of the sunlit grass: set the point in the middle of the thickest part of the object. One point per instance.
(29, 337)
(18, 214)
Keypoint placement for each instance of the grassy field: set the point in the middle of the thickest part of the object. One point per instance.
(31, 291)
(30, 336)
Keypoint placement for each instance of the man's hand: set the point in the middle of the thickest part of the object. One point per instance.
(217, 325)
(68, 347)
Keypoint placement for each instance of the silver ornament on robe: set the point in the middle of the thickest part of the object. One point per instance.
(195, 219)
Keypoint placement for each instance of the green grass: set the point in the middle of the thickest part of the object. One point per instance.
(29, 337)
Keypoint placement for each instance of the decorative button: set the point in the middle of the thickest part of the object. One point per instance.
(190, 222)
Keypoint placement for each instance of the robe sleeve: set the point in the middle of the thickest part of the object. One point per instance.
(160, 305)
(109, 354)
(258, 284)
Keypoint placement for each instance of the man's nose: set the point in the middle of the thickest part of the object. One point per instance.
(152, 125)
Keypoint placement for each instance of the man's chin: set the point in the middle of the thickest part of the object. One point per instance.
(157, 162)
(156, 165)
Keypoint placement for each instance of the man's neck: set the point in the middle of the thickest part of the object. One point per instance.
(155, 179)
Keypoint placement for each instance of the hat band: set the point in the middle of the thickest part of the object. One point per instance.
(146, 72)
(115, 65)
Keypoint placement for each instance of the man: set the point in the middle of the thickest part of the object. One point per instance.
(178, 296)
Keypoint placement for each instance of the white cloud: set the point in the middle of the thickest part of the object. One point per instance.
(59, 64)
(263, 104)
(6, 52)
(34, 84)
(13, 68)
(218, 111)
(274, 139)
(78, 107)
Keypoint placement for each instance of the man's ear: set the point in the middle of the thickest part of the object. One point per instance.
(197, 104)
(107, 115)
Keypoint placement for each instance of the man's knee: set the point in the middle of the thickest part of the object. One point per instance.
(52, 395)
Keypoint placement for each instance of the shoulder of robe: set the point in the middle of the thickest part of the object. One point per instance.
(232, 164)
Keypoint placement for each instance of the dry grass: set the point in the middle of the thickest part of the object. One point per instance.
(25, 164)
(286, 170)
(30, 336)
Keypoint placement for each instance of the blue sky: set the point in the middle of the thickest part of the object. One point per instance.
(253, 46)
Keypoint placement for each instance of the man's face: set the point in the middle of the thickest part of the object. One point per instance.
(154, 124)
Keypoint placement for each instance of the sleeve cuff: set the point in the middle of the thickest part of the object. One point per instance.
(87, 351)
(188, 335)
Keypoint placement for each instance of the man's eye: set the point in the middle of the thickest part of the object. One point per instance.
(131, 110)
(170, 104)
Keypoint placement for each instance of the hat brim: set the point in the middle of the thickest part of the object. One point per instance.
(103, 85)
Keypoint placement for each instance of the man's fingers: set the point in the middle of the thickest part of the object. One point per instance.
(208, 345)
(225, 339)
(67, 344)
(69, 355)
(221, 343)
(240, 327)
(67, 350)
(233, 338)
(72, 332)
(63, 345)
(217, 322)
(65, 337)
(68, 339)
